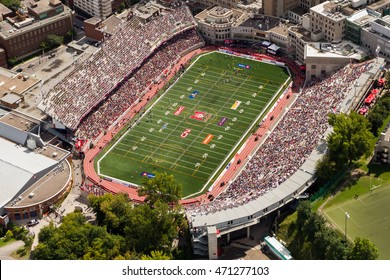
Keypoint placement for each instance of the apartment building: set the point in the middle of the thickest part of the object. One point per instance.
(94, 8)
(327, 21)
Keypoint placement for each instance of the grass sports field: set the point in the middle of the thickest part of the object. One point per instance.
(369, 211)
(196, 126)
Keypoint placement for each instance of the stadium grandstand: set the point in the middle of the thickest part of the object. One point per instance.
(124, 52)
(282, 167)
(134, 87)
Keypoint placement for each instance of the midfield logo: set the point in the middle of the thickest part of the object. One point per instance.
(200, 116)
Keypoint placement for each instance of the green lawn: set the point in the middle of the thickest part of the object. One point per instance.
(369, 212)
(198, 123)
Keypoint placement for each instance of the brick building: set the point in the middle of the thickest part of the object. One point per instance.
(23, 34)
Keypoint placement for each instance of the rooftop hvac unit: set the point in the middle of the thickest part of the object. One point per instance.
(31, 144)
(54, 154)
(31, 195)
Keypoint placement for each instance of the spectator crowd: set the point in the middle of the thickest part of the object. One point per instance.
(90, 82)
(289, 144)
(136, 85)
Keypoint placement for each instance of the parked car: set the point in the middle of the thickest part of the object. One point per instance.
(31, 65)
(52, 55)
(19, 70)
(33, 222)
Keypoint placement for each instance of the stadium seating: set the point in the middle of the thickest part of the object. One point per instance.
(90, 82)
(289, 144)
(136, 85)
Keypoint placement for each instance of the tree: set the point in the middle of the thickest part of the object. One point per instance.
(46, 233)
(52, 41)
(303, 213)
(156, 255)
(379, 114)
(162, 187)
(70, 35)
(11, 4)
(387, 78)
(112, 211)
(151, 228)
(9, 235)
(75, 239)
(325, 168)
(376, 120)
(364, 249)
(350, 139)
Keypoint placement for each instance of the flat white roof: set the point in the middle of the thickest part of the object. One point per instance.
(17, 166)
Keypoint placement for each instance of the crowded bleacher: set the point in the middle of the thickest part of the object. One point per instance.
(289, 144)
(136, 85)
(90, 82)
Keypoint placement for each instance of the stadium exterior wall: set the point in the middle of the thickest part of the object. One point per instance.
(194, 47)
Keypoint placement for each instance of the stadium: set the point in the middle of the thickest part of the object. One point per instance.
(152, 80)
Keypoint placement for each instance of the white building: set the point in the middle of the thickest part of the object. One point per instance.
(95, 8)
(376, 37)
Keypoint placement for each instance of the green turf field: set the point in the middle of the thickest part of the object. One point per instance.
(198, 123)
(369, 216)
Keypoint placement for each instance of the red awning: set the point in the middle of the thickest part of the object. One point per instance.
(369, 98)
(362, 111)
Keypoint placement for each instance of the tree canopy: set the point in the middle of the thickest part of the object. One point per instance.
(162, 187)
(351, 138)
(364, 249)
(52, 41)
(76, 239)
(124, 230)
(11, 4)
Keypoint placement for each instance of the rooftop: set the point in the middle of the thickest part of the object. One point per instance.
(364, 17)
(345, 49)
(93, 20)
(4, 10)
(262, 22)
(299, 11)
(111, 24)
(47, 186)
(328, 9)
(20, 166)
(10, 98)
(378, 4)
(16, 83)
(301, 32)
(385, 21)
(42, 6)
(22, 123)
(9, 30)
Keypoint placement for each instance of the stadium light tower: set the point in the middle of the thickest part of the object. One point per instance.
(346, 219)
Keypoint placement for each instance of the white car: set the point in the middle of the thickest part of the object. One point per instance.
(33, 222)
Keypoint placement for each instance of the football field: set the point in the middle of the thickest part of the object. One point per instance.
(198, 124)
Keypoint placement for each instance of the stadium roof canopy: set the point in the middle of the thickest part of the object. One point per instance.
(18, 166)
